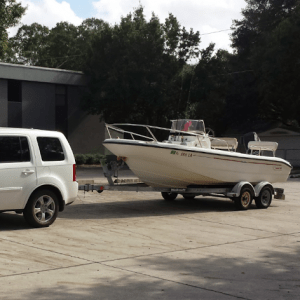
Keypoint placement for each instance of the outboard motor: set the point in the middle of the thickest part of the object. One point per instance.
(249, 137)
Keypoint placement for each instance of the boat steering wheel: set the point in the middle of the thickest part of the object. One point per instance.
(209, 132)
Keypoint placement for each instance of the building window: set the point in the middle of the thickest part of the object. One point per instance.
(14, 97)
(14, 91)
(61, 109)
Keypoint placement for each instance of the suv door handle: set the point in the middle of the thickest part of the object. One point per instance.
(26, 172)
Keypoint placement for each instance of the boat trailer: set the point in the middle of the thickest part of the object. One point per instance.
(242, 193)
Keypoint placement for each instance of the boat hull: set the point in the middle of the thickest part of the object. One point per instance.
(167, 165)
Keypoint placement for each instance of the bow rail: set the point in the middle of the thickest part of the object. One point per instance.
(198, 135)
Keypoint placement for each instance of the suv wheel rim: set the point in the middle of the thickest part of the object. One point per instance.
(44, 209)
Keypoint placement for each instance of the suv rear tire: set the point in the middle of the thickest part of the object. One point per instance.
(42, 208)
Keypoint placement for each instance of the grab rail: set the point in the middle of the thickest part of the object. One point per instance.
(153, 138)
(112, 126)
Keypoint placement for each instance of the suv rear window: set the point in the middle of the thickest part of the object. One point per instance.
(14, 149)
(51, 149)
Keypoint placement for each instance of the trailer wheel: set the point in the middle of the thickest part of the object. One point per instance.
(265, 198)
(189, 197)
(169, 196)
(245, 199)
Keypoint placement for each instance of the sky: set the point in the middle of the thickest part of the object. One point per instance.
(205, 16)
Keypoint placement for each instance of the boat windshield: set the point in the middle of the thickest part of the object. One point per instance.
(196, 126)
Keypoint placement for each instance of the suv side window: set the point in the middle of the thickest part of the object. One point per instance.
(25, 149)
(14, 149)
(51, 149)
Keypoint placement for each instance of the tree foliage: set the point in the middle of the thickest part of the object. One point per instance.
(260, 18)
(209, 87)
(27, 46)
(133, 66)
(64, 46)
(10, 15)
(140, 70)
(266, 41)
(278, 68)
(179, 42)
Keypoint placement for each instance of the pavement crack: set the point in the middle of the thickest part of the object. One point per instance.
(47, 270)
(47, 250)
(193, 248)
(227, 224)
(145, 236)
(105, 262)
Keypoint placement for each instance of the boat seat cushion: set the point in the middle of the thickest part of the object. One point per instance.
(224, 143)
(263, 146)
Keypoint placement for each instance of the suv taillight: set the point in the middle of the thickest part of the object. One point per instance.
(74, 172)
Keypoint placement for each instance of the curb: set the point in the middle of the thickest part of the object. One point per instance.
(88, 166)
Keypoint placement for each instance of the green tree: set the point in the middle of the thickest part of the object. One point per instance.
(260, 17)
(64, 46)
(209, 88)
(132, 69)
(278, 66)
(68, 44)
(61, 50)
(10, 15)
(179, 42)
(87, 31)
(28, 46)
(266, 40)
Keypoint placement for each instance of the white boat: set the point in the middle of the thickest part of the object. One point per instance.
(190, 157)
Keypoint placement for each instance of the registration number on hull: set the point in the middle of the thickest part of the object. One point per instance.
(181, 153)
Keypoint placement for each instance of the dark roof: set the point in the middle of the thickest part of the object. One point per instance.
(41, 74)
(260, 126)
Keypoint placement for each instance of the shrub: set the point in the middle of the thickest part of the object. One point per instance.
(80, 159)
(88, 159)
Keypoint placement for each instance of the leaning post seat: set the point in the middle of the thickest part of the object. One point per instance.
(262, 146)
(224, 143)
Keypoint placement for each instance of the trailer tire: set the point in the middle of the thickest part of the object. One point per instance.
(265, 198)
(169, 196)
(245, 199)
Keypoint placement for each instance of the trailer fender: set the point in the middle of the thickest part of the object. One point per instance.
(261, 185)
(235, 192)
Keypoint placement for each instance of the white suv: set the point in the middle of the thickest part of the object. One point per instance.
(37, 174)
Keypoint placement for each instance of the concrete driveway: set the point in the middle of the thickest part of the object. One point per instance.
(119, 245)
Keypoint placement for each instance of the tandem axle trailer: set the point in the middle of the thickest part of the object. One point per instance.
(242, 193)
